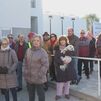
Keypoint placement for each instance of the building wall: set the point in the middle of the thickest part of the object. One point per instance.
(37, 13)
(18, 30)
(16, 16)
(56, 25)
(79, 24)
(14, 13)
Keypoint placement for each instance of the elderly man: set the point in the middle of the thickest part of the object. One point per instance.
(83, 51)
(73, 40)
(20, 48)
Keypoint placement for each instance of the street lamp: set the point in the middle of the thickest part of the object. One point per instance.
(73, 19)
(50, 17)
(62, 18)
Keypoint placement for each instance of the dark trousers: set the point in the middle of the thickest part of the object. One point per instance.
(13, 92)
(46, 83)
(19, 74)
(52, 69)
(85, 62)
(40, 91)
(91, 65)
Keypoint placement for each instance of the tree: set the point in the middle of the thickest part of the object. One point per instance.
(90, 19)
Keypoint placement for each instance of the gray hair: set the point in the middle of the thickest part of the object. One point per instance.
(38, 36)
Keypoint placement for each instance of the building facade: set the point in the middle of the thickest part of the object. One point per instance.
(23, 16)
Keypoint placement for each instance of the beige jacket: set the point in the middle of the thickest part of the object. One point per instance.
(9, 59)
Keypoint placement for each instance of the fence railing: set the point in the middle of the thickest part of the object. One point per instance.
(98, 60)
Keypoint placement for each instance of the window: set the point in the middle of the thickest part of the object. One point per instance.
(33, 3)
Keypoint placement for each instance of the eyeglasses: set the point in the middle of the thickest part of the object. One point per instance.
(4, 44)
(82, 33)
(10, 37)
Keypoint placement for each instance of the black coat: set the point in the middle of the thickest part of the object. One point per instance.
(69, 74)
(92, 48)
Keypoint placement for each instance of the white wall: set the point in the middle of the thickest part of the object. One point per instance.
(18, 13)
(15, 13)
(67, 22)
(96, 28)
(79, 24)
(38, 12)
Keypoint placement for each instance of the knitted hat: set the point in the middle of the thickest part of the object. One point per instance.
(31, 34)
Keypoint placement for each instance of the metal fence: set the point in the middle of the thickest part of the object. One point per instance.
(99, 80)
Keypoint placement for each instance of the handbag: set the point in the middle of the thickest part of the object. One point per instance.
(3, 70)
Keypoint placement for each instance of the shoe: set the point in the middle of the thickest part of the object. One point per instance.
(67, 96)
(78, 80)
(88, 77)
(57, 97)
(2, 92)
(91, 71)
(83, 70)
(19, 89)
(45, 88)
(53, 79)
(73, 82)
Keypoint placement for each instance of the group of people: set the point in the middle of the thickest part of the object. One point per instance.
(16, 57)
(45, 55)
(85, 45)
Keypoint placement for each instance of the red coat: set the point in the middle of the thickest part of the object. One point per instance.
(83, 47)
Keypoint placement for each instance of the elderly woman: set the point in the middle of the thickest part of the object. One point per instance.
(8, 62)
(36, 65)
(65, 71)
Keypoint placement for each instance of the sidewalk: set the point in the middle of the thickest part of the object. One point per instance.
(50, 96)
(87, 89)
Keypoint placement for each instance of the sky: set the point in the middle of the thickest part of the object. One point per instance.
(79, 8)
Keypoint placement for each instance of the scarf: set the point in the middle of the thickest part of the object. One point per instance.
(53, 42)
(4, 49)
(62, 47)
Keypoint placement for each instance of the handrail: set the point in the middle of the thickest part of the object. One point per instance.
(96, 59)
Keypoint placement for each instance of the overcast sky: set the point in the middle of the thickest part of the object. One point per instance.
(73, 7)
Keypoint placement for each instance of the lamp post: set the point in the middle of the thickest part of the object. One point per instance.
(50, 18)
(62, 18)
(73, 20)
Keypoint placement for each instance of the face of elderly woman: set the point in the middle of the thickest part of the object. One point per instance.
(36, 42)
(4, 43)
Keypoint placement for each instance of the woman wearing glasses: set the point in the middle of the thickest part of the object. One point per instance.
(8, 62)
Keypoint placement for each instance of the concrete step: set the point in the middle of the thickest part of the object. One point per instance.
(78, 94)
